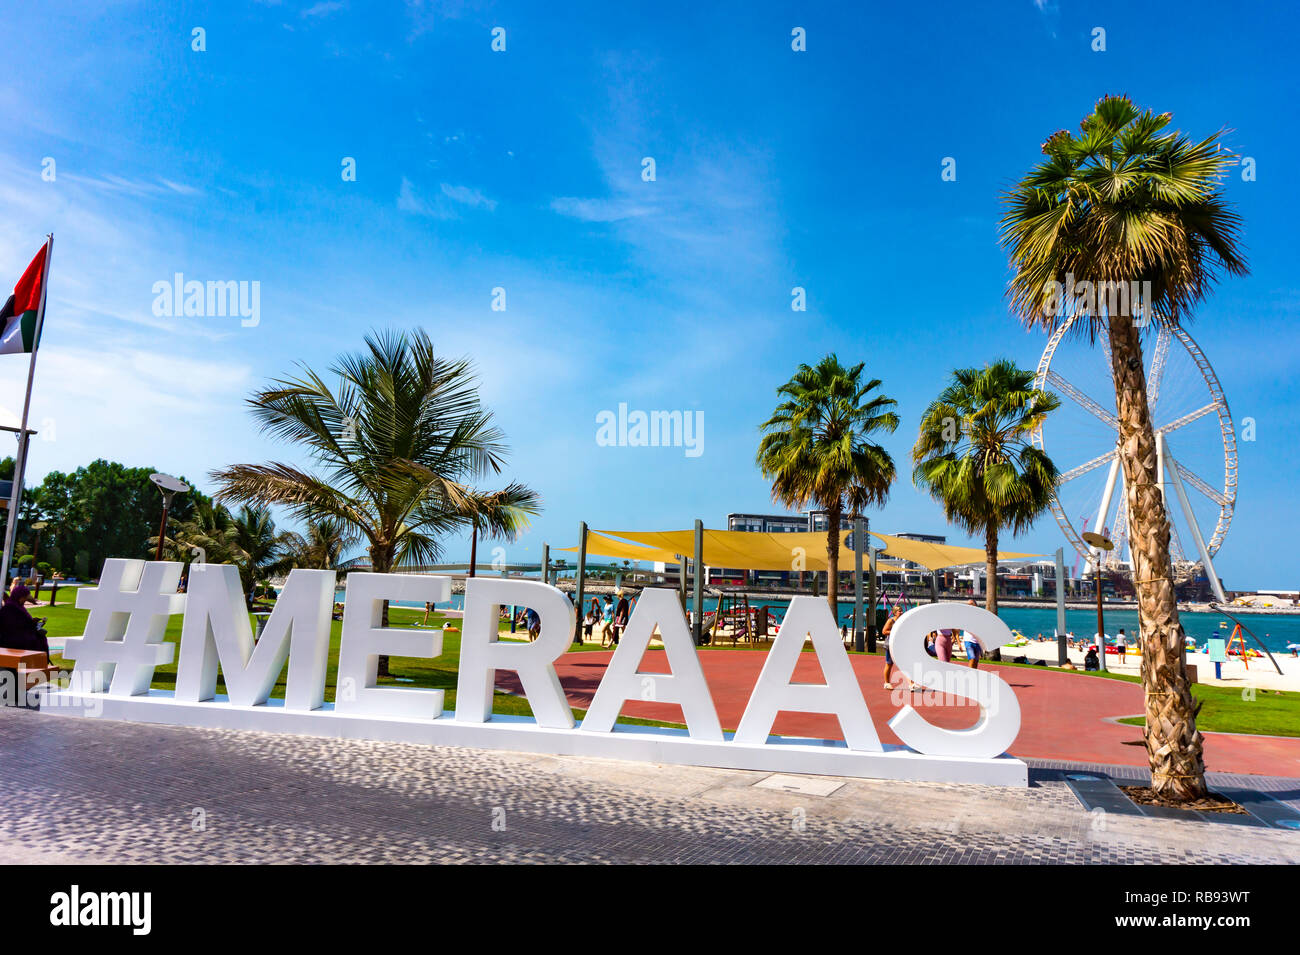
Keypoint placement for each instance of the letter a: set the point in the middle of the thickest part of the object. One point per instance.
(685, 685)
(840, 694)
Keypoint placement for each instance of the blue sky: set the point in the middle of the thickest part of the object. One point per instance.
(522, 170)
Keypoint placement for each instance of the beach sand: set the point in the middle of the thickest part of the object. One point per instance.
(1260, 675)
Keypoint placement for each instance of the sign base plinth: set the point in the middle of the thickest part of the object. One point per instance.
(648, 744)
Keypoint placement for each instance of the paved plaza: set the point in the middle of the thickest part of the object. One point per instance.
(86, 791)
(1063, 715)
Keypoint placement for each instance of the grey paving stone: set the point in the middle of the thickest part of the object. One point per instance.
(96, 790)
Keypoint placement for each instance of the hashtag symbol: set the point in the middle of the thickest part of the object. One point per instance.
(123, 641)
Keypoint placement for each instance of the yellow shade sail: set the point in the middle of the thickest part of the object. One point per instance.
(601, 546)
(736, 550)
(937, 556)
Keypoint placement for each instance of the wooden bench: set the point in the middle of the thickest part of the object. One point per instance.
(32, 667)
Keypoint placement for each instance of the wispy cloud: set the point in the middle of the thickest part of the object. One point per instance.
(131, 187)
(600, 210)
(323, 9)
(710, 210)
(467, 196)
(440, 206)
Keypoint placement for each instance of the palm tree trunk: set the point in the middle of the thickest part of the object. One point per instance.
(991, 567)
(833, 562)
(473, 550)
(1174, 745)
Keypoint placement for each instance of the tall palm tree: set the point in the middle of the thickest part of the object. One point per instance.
(1128, 200)
(816, 449)
(974, 456)
(395, 445)
(499, 514)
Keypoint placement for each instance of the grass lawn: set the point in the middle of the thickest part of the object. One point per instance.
(1223, 710)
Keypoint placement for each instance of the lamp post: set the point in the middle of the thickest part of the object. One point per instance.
(1103, 545)
(37, 526)
(170, 487)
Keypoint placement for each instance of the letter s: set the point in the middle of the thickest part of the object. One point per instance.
(999, 721)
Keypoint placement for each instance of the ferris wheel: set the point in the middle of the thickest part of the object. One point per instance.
(1189, 410)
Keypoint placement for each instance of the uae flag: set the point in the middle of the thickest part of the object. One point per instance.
(18, 317)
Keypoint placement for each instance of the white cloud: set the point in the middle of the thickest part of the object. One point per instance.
(409, 199)
(130, 187)
(468, 197)
(323, 9)
(600, 210)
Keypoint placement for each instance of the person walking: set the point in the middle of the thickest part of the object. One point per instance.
(607, 621)
(972, 643)
(534, 623)
(621, 613)
(1121, 645)
(943, 645)
(885, 631)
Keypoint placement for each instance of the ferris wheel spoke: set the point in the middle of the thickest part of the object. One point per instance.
(1158, 362)
(1087, 466)
(1083, 400)
(1200, 485)
(1189, 418)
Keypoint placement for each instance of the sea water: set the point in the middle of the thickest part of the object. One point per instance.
(1274, 630)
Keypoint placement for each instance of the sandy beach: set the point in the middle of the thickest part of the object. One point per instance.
(1260, 673)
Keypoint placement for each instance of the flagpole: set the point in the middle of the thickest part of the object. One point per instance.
(20, 463)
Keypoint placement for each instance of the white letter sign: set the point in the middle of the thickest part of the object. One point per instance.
(840, 694)
(216, 630)
(482, 654)
(684, 686)
(364, 639)
(125, 639)
(999, 720)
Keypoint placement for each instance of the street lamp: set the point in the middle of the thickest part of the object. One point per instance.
(169, 486)
(37, 526)
(1103, 544)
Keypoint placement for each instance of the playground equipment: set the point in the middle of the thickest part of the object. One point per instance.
(1244, 652)
(735, 617)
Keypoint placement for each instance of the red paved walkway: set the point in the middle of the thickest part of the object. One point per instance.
(1063, 715)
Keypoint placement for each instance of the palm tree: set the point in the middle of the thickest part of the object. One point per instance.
(207, 536)
(1128, 200)
(975, 458)
(815, 449)
(323, 545)
(260, 551)
(497, 514)
(247, 538)
(395, 443)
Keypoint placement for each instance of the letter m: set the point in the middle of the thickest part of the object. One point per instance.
(666, 429)
(217, 631)
(223, 299)
(1114, 297)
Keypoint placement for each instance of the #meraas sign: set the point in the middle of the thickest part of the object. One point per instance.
(129, 610)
